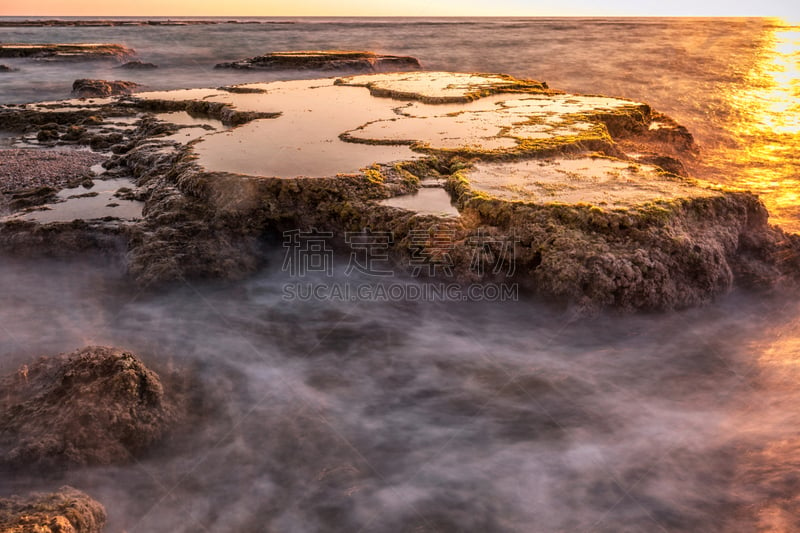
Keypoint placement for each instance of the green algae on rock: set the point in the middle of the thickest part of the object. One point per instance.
(578, 191)
(596, 180)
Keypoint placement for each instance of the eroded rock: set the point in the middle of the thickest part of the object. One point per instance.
(66, 511)
(324, 60)
(85, 88)
(97, 405)
(602, 232)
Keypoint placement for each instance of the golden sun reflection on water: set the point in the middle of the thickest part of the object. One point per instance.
(765, 125)
(775, 105)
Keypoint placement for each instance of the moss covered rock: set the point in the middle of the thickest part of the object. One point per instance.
(97, 405)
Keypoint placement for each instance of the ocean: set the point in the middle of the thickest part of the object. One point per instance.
(454, 416)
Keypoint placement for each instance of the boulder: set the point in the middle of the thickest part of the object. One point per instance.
(85, 88)
(95, 406)
(324, 60)
(5, 68)
(66, 511)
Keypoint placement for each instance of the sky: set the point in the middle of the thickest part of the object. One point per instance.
(787, 9)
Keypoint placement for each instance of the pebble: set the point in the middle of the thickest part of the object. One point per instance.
(27, 168)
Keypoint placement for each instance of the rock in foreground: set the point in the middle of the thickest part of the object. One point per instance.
(97, 405)
(355, 61)
(66, 511)
(85, 88)
(67, 52)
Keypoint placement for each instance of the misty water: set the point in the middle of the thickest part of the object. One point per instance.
(332, 415)
(448, 416)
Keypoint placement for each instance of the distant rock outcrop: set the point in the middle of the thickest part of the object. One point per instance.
(100, 88)
(326, 60)
(67, 51)
(138, 65)
(66, 511)
(97, 405)
(94, 23)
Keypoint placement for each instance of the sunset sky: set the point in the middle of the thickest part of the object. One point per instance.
(787, 9)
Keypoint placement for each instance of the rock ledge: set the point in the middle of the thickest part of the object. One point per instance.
(324, 60)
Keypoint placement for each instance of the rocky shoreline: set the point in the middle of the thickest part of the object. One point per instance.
(579, 199)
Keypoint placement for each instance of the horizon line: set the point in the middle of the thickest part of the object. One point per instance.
(397, 16)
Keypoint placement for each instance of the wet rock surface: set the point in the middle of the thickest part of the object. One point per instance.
(67, 52)
(583, 199)
(86, 88)
(66, 511)
(5, 68)
(95, 406)
(326, 60)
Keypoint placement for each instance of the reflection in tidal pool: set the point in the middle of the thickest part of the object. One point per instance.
(426, 201)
